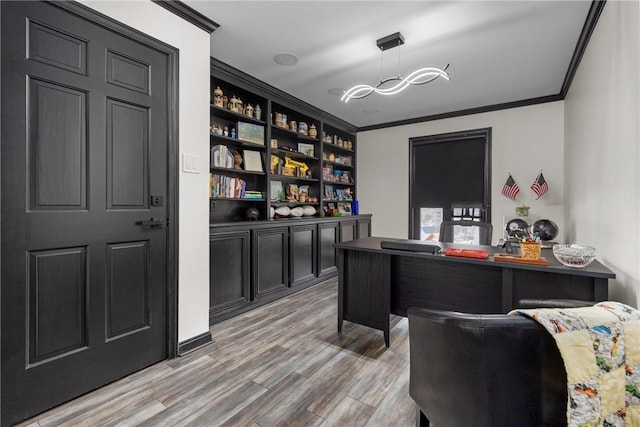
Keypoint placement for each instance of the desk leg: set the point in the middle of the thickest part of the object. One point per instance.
(386, 336)
(600, 289)
(341, 274)
(507, 289)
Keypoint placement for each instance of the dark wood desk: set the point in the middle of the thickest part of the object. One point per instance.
(374, 282)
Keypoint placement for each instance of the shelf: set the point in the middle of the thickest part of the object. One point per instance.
(334, 147)
(237, 199)
(346, 184)
(336, 201)
(296, 134)
(287, 139)
(231, 115)
(239, 171)
(341, 165)
(292, 154)
(275, 177)
(221, 139)
(287, 203)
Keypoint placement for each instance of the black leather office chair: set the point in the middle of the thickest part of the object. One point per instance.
(485, 230)
(486, 370)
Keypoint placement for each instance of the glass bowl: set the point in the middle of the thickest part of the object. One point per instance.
(574, 255)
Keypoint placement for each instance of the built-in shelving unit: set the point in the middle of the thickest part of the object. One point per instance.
(307, 157)
(298, 154)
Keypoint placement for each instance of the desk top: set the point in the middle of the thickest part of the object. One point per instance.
(372, 244)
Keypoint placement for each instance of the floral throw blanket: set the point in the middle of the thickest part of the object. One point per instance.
(600, 346)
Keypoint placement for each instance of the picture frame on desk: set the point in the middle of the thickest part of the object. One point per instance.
(249, 132)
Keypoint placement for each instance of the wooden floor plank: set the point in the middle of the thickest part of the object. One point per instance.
(282, 364)
(349, 412)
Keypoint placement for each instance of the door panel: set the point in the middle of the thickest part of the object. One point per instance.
(57, 276)
(84, 145)
(127, 288)
(270, 249)
(57, 143)
(127, 72)
(56, 48)
(127, 156)
(328, 236)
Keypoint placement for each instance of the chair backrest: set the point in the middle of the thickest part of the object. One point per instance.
(485, 370)
(468, 211)
(470, 231)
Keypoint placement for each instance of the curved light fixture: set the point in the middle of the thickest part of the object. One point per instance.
(418, 77)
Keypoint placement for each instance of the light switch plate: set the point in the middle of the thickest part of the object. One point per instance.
(190, 163)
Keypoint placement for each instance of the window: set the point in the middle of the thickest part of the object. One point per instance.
(430, 220)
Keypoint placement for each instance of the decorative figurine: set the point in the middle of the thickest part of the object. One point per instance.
(237, 159)
(234, 105)
(225, 132)
(257, 112)
(233, 133)
(313, 132)
(218, 97)
(248, 111)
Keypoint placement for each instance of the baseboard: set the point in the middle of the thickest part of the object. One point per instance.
(192, 344)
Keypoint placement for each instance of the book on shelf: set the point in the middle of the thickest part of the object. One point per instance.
(221, 156)
(222, 186)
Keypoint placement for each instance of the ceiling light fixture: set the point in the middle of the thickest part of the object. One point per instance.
(418, 77)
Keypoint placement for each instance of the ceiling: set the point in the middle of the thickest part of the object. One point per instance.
(499, 51)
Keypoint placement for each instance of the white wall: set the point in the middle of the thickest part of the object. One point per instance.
(193, 43)
(602, 158)
(524, 140)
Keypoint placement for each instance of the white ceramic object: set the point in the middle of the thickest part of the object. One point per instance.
(283, 211)
(308, 210)
(296, 212)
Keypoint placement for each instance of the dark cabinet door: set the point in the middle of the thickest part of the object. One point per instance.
(327, 237)
(270, 261)
(229, 273)
(364, 228)
(303, 253)
(348, 230)
(84, 153)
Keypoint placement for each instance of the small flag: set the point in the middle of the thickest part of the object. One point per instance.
(510, 188)
(540, 186)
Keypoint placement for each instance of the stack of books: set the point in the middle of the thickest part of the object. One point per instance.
(253, 195)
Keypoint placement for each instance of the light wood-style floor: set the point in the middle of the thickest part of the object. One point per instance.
(283, 364)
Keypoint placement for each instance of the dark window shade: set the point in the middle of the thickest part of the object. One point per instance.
(448, 171)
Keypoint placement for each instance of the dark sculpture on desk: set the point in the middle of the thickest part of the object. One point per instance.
(518, 229)
(547, 230)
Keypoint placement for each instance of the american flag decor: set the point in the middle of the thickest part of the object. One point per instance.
(540, 186)
(510, 188)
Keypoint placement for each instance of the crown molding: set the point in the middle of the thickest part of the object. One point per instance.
(188, 14)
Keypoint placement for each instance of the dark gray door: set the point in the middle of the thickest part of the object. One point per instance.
(84, 153)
